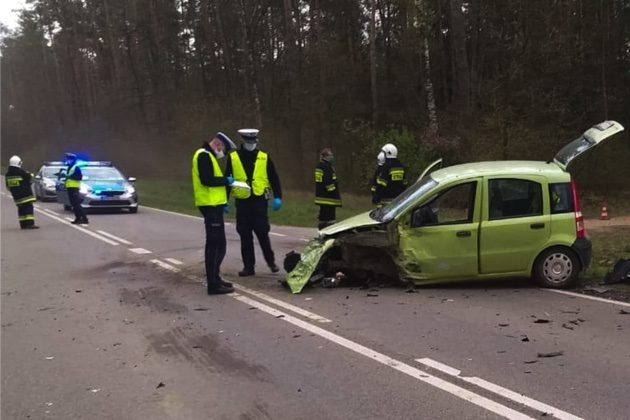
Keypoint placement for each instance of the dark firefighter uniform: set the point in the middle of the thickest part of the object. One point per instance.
(18, 181)
(389, 181)
(257, 170)
(210, 190)
(327, 195)
(73, 185)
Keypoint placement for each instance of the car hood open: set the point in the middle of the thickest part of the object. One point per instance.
(358, 221)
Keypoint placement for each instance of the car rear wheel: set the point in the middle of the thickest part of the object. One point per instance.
(556, 268)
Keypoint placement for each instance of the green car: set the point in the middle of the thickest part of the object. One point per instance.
(476, 221)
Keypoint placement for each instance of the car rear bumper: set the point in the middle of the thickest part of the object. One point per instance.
(584, 249)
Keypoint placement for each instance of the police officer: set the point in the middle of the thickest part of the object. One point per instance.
(73, 185)
(210, 190)
(253, 166)
(390, 177)
(19, 181)
(327, 195)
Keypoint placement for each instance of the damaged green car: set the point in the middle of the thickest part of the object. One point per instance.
(475, 221)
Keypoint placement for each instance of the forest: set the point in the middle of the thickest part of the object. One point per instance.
(144, 82)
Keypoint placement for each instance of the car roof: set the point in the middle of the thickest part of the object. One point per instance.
(500, 168)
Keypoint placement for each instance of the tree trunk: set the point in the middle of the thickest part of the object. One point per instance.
(459, 57)
(373, 61)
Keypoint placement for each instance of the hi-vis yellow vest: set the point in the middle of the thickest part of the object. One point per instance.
(207, 196)
(72, 183)
(259, 184)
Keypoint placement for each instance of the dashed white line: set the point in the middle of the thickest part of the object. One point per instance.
(173, 261)
(283, 304)
(595, 298)
(166, 266)
(499, 390)
(140, 251)
(422, 376)
(86, 231)
(114, 237)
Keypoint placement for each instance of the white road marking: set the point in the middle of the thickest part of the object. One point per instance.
(422, 376)
(595, 298)
(282, 304)
(174, 213)
(140, 251)
(277, 234)
(84, 230)
(51, 211)
(114, 237)
(69, 219)
(166, 266)
(174, 261)
(305, 240)
(499, 390)
(37, 206)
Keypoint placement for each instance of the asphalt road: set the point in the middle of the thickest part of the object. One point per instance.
(96, 326)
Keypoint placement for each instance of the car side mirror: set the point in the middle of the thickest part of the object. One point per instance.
(131, 179)
(38, 177)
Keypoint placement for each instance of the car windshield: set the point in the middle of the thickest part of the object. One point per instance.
(101, 174)
(51, 171)
(404, 200)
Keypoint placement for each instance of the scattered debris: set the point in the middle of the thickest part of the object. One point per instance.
(567, 326)
(411, 290)
(44, 309)
(116, 344)
(596, 289)
(570, 312)
(200, 309)
(504, 325)
(502, 351)
(542, 321)
(297, 335)
(196, 346)
(49, 404)
(619, 273)
(160, 385)
(448, 300)
(78, 291)
(308, 298)
(551, 354)
(95, 390)
(624, 312)
(525, 338)
(280, 316)
(529, 362)
(335, 281)
(372, 295)
(50, 357)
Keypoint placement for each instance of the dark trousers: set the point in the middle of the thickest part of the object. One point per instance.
(25, 215)
(326, 215)
(251, 217)
(75, 202)
(215, 243)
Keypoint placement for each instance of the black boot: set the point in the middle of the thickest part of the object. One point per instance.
(274, 268)
(246, 272)
(219, 290)
(225, 283)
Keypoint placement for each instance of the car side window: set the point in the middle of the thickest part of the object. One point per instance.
(514, 198)
(455, 205)
(561, 198)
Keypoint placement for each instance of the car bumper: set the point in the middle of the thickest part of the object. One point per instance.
(584, 249)
(114, 202)
(48, 194)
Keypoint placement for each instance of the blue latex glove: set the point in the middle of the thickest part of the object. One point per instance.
(230, 180)
(277, 202)
(226, 208)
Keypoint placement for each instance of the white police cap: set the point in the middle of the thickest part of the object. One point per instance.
(249, 134)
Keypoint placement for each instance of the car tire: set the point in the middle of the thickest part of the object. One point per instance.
(67, 207)
(133, 210)
(556, 268)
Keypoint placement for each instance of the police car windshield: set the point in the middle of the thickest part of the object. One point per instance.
(404, 200)
(96, 173)
(51, 171)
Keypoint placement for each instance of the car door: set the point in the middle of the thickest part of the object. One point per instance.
(438, 240)
(515, 225)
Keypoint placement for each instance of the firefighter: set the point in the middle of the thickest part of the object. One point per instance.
(390, 177)
(19, 181)
(210, 190)
(253, 166)
(380, 160)
(327, 195)
(73, 185)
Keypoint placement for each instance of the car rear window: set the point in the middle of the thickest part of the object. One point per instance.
(514, 198)
(561, 198)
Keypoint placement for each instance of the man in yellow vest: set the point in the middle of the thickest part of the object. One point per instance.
(73, 186)
(210, 189)
(253, 166)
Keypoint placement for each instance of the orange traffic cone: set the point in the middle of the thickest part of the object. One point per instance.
(603, 214)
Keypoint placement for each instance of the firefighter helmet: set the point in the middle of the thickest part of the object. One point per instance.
(15, 161)
(390, 151)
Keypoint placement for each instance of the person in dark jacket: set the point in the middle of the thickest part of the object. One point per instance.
(327, 195)
(253, 166)
(18, 181)
(210, 190)
(390, 178)
(73, 186)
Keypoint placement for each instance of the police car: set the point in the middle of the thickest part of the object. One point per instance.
(45, 180)
(103, 186)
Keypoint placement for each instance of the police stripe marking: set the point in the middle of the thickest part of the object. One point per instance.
(140, 251)
(416, 373)
(114, 237)
(499, 390)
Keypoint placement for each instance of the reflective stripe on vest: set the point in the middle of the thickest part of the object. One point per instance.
(24, 200)
(328, 201)
(207, 196)
(260, 182)
(72, 183)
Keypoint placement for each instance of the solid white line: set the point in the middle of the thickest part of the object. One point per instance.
(37, 206)
(283, 304)
(305, 240)
(86, 231)
(277, 234)
(166, 266)
(499, 390)
(69, 219)
(114, 237)
(453, 389)
(174, 261)
(51, 211)
(140, 251)
(595, 298)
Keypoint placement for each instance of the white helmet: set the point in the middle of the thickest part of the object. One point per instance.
(380, 159)
(15, 161)
(390, 151)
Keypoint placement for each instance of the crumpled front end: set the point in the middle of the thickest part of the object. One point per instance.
(309, 260)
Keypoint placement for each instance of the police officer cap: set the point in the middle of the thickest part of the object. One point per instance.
(229, 144)
(249, 134)
(71, 156)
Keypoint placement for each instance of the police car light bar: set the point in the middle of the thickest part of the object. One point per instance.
(95, 163)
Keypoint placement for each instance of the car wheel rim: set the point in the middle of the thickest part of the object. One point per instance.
(557, 268)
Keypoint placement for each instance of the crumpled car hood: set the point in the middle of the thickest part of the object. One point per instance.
(360, 220)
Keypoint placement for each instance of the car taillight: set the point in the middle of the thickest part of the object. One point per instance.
(579, 219)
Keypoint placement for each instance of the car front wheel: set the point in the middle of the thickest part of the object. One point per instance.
(556, 268)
